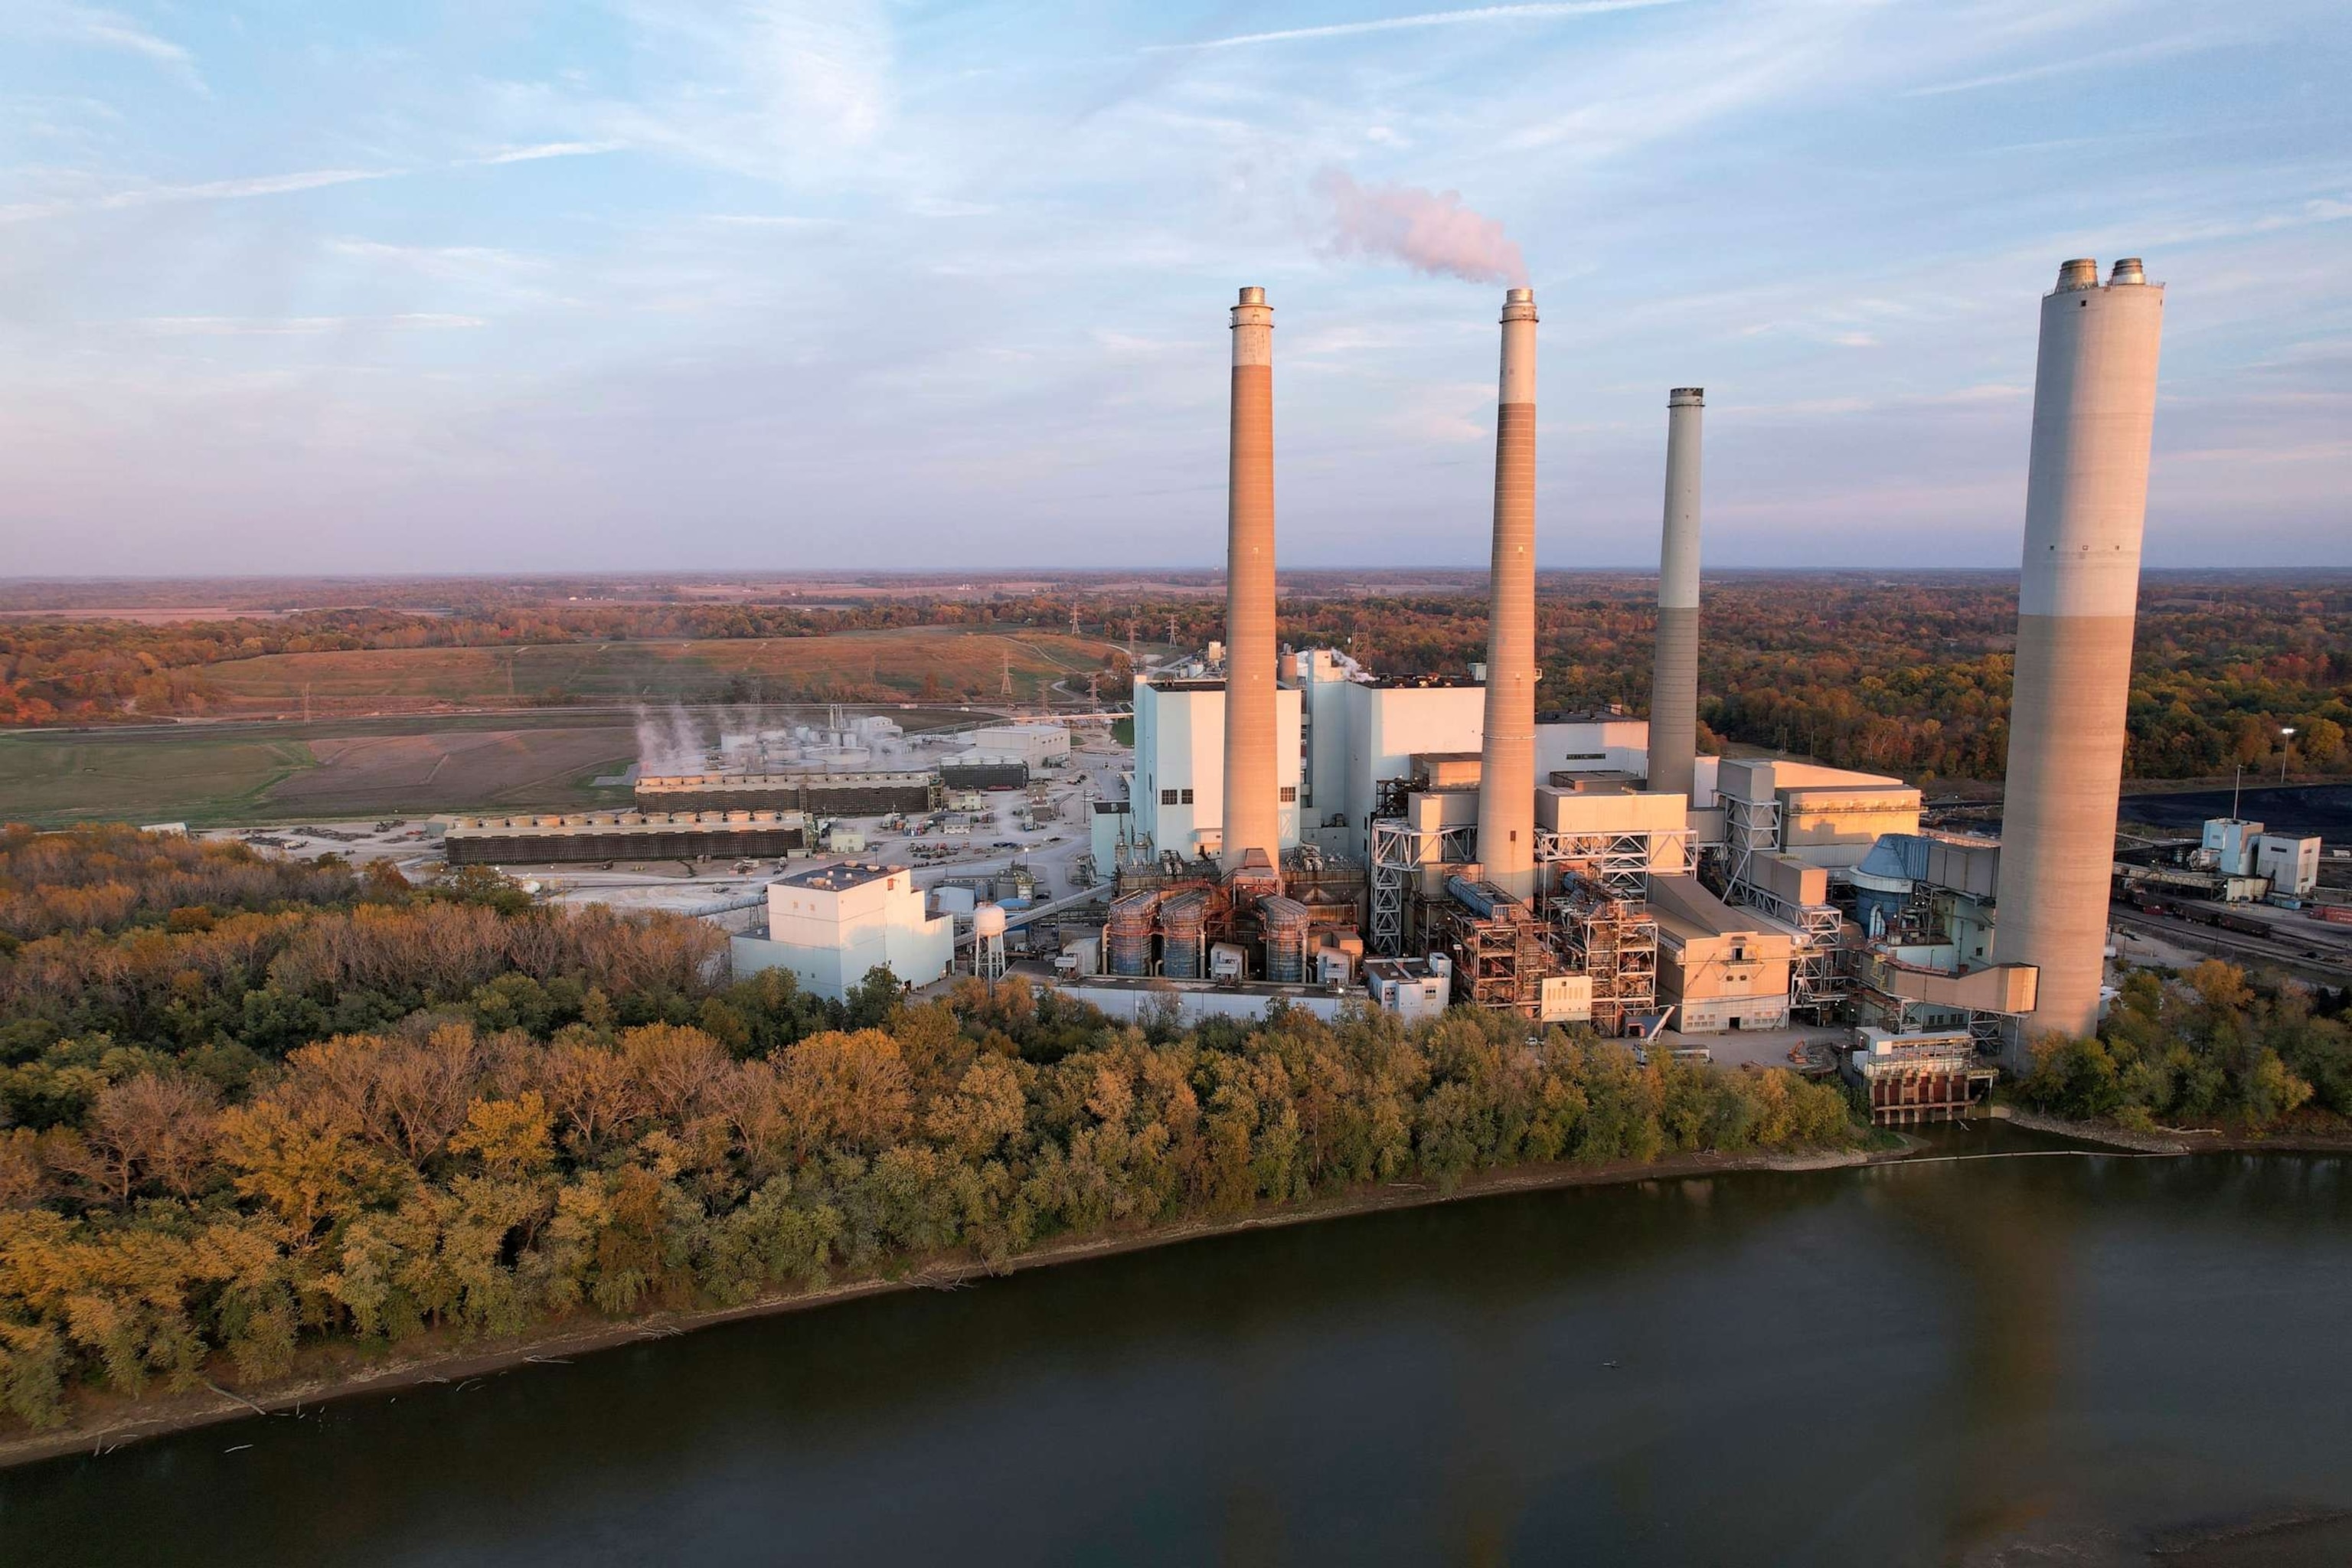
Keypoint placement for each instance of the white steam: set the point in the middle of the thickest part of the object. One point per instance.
(1430, 231)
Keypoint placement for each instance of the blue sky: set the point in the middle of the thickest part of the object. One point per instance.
(312, 286)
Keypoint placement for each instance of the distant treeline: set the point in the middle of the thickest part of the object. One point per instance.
(1904, 674)
(302, 1107)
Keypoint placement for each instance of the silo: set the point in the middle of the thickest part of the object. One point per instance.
(1252, 814)
(1507, 777)
(1674, 676)
(2086, 502)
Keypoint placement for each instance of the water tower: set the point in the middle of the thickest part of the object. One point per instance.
(988, 943)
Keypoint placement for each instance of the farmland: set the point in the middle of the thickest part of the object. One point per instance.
(909, 663)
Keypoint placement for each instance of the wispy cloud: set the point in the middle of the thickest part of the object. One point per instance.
(90, 26)
(2154, 49)
(204, 191)
(297, 326)
(531, 155)
(1469, 17)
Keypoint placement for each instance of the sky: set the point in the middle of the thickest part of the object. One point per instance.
(753, 285)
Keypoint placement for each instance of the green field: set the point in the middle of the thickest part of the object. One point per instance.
(53, 779)
(909, 663)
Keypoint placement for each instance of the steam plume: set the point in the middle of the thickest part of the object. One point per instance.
(1430, 231)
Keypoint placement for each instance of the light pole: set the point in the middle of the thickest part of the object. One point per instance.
(2286, 739)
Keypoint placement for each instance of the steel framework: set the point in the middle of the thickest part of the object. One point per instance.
(1613, 940)
(1400, 853)
(1620, 862)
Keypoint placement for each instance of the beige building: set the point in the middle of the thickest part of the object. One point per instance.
(833, 925)
(1719, 967)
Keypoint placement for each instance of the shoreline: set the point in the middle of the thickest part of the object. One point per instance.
(108, 1420)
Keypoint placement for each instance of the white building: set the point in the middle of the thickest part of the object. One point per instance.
(1039, 745)
(1358, 733)
(833, 925)
(1179, 764)
(2291, 864)
(1416, 988)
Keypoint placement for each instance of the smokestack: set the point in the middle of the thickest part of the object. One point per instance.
(1506, 773)
(1674, 676)
(1252, 815)
(2086, 500)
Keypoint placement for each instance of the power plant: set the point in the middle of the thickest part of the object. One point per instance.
(1296, 828)
(2085, 503)
(1440, 841)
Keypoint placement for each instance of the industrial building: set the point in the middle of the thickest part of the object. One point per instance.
(621, 836)
(818, 793)
(833, 925)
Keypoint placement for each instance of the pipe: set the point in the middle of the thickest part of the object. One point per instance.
(2085, 503)
(1673, 677)
(1506, 773)
(1251, 811)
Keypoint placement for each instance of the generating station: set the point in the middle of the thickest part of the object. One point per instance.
(1297, 828)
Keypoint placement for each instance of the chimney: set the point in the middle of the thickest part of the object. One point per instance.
(1251, 811)
(1674, 676)
(1506, 773)
(2086, 500)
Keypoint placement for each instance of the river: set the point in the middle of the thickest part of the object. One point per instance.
(2054, 1357)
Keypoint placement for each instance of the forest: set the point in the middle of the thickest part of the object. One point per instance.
(1903, 674)
(2214, 1046)
(250, 1107)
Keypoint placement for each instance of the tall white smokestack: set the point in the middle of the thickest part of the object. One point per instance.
(2086, 502)
(1253, 812)
(1674, 676)
(1506, 773)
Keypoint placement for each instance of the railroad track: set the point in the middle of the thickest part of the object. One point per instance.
(2332, 968)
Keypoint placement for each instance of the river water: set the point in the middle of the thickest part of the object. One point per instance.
(2048, 1358)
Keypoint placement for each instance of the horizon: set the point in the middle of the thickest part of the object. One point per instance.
(361, 292)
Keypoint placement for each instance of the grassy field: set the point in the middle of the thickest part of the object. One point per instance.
(249, 772)
(960, 664)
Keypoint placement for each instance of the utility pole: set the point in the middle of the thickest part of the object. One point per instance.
(1008, 675)
(1074, 618)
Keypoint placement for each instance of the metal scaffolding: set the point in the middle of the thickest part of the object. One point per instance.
(1750, 827)
(1620, 862)
(1401, 852)
(1501, 958)
(1615, 941)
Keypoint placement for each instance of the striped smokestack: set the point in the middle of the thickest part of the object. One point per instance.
(2086, 500)
(1506, 773)
(1252, 813)
(1674, 676)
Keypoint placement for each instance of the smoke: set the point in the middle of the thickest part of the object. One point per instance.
(668, 743)
(1430, 231)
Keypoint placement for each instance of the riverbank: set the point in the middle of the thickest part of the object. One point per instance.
(2172, 1140)
(104, 1421)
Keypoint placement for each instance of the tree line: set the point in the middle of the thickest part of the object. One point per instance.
(212, 1157)
(1906, 675)
(2213, 1047)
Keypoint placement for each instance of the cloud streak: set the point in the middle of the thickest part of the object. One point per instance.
(1469, 17)
(90, 25)
(205, 191)
(549, 150)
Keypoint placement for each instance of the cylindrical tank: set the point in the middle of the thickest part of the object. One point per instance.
(2085, 503)
(1130, 930)
(988, 921)
(1287, 924)
(1251, 811)
(1506, 778)
(1674, 679)
(1183, 921)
